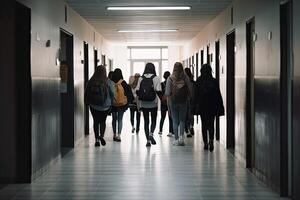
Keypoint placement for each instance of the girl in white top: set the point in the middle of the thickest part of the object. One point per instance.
(148, 91)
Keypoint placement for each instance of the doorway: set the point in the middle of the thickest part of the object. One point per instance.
(193, 66)
(207, 55)
(67, 91)
(110, 64)
(86, 79)
(96, 60)
(202, 58)
(103, 60)
(230, 97)
(286, 29)
(23, 96)
(250, 136)
(217, 59)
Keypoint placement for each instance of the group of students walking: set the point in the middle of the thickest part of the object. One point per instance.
(180, 97)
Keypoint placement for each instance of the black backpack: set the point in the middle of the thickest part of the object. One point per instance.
(96, 93)
(146, 91)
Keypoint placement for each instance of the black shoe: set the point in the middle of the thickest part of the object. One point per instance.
(205, 146)
(115, 138)
(192, 131)
(97, 144)
(148, 144)
(211, 146)
(118, 139)
(189, 135)
(103, 143)
(152, 140)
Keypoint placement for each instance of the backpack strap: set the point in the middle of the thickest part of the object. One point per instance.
(120, 81)
(152, 77)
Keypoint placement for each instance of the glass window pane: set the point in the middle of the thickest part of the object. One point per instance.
(128, 53)
(157, 70)
(165, 53)
(138, 67)
(125, 70)
(165, 67)
(145, 53)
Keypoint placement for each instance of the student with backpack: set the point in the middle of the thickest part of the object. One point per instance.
(164, 107)
(147, 90)
(123, 96)
(189, 124)
(135, 105)
(178, 90)
(98, 95)
(209, 104)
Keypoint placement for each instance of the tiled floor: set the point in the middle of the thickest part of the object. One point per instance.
(130, 171)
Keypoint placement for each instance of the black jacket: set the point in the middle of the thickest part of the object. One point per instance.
(207, 97)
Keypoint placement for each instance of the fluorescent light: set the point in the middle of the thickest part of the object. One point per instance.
(150, 8)
(148, 31)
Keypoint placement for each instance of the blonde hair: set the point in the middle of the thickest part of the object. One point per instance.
(133, 81)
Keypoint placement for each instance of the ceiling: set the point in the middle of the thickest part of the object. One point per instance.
(188, 23)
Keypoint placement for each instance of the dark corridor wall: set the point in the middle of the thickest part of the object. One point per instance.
(48, 17)
(7, 84)
(296, 100)
(266, 83)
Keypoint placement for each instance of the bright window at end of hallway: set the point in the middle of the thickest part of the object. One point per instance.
(140, 55)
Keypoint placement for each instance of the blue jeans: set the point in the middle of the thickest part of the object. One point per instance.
(178, 112)
(117, 117)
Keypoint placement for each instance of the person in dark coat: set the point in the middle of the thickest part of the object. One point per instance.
(189, 124)
(208, 104)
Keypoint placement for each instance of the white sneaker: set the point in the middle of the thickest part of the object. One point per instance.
(181, 142)
(170, 135)
(176, 143)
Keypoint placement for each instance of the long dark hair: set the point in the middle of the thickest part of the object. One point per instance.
(166, 75)
(188, 72)
(150, 69)
(117, 75)
(99, 74)
(110, 74)
(206, 71)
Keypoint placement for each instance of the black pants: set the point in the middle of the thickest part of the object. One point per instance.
(208, 122)
(99, 118)
(138, 118)
(146, 113)
(164, 112)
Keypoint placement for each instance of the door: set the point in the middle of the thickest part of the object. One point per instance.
(250, 136)
(286, 98)
(103, 59)
(230, 97)
(86, 79)
(207, 55)
(217, 59)
(96, 60)
(202, 58)
(67, 91)
(23, 96)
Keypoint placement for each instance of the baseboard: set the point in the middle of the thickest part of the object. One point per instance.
(44, 169)
(6, 180)
(261, 177)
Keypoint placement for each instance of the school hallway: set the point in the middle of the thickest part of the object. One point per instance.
(129, 170)
(52, 49)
